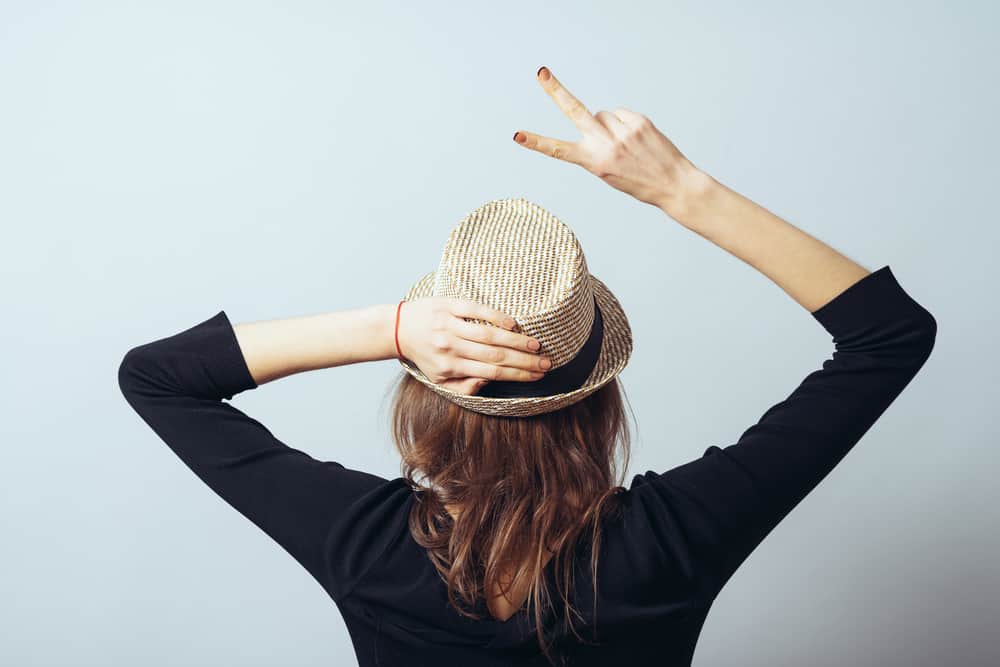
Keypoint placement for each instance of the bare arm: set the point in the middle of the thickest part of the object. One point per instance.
(274, 349)
(810, 271)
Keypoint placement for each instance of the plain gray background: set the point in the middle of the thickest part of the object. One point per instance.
(162, 161)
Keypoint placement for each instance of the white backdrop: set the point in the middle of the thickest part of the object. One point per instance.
(162, 161)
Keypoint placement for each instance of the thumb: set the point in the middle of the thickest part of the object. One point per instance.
(467, 386)
(473, 385)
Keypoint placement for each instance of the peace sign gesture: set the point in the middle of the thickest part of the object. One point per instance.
(623, 148)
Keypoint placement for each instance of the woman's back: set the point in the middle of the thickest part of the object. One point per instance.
(398, 611)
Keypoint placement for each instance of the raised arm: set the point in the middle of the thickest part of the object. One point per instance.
(709, 514)
(180, 384)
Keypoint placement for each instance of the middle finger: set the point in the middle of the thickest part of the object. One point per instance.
(500, 356)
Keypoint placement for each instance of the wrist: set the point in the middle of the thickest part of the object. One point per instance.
(384, 329)
(693, 189)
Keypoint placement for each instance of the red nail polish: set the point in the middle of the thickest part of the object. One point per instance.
(518, 140)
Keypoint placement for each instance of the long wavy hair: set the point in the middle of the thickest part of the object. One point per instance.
(527, 488)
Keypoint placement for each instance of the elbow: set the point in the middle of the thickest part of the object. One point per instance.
(126, 371)
(927, 336)
(130, 373)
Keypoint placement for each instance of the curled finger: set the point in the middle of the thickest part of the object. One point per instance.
(480, 369)
(499, 355)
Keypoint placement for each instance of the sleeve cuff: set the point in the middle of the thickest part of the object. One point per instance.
(875, 299)
(233, 374)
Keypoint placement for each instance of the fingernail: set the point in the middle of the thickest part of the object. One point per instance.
(509, 323)
(546, 363)
(534, 345)
(518, 137)
(543, 72)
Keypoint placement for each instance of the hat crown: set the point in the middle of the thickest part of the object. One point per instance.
(520, 259)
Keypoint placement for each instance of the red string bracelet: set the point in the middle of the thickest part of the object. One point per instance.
(398, 351)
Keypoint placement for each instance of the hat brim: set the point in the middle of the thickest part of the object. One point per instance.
(616, 348)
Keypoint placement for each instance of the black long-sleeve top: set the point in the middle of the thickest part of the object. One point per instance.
(679, 537)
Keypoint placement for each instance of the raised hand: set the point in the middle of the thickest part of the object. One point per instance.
(462, 355)
(622, 148)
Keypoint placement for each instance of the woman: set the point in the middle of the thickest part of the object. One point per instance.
(522, 547)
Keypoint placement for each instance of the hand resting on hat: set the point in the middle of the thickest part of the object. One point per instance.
(433, 334)
(461, 355)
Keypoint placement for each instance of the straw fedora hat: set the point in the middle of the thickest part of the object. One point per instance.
(517, 257)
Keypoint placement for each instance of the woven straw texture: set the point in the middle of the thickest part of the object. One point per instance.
(515, 256)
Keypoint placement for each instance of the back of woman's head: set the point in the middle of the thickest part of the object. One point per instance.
(527, 488)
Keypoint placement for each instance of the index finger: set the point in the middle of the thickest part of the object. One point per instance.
(570, 105)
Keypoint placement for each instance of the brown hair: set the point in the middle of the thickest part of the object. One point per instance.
(522, 483)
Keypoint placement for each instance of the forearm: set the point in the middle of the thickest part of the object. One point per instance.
(276, 348)
(810, 271)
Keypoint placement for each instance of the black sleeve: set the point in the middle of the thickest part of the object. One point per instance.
(176, 384)
(715, 510)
